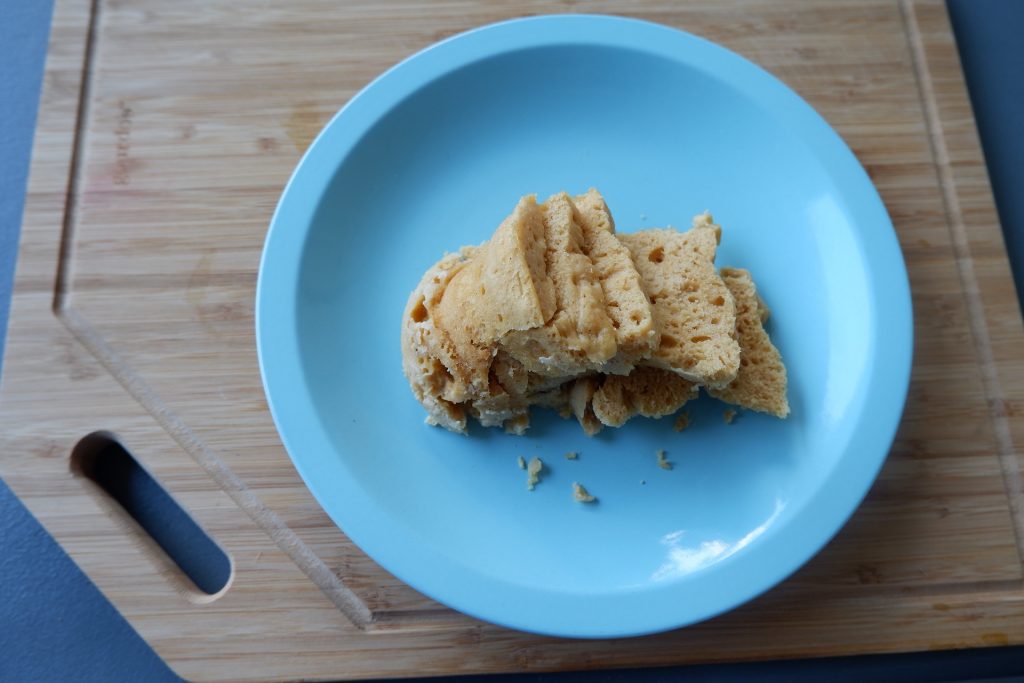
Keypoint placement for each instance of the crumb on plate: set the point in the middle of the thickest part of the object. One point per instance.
(533, 471)
(662, 462)
(729, 415)
(572, 455)
(682, 421)
(521, 462)
(580, 494)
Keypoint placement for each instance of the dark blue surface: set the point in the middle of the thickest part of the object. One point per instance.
(990, 35)
(23, 32)
(56, 626)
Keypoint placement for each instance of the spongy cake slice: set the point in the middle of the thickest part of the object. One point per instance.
(626, 302)
(761, 382)
(431, 382)
(579, 336)
(504, 287)
(647, 391)
(693, 310)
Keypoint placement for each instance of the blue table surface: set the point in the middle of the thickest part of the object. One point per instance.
(56, 626)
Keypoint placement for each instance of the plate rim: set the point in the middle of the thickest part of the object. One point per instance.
(433, 573)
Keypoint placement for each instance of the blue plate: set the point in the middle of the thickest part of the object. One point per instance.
(432, 155)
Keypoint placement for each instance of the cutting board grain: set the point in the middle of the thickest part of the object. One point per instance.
(166, 132)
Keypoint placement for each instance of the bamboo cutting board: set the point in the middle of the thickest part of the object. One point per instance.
(165, 135)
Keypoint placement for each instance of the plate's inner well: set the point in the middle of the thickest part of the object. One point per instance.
(663, 139)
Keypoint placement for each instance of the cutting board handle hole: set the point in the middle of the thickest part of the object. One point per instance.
(101, 458)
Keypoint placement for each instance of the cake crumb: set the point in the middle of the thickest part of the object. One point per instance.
(572, 455)
(729, 415)
(533, 471)
(662, 462)
(682, 421)
(581, 495)
(521, 462)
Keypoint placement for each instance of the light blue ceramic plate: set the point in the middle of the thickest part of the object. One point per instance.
(431, 156)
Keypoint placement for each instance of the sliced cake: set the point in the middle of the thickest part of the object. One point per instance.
(760, 383)
(647, 391)
(579, 336)
(627, 304)
(694, 312)
(505, 286)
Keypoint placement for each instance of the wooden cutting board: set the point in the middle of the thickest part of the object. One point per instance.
(166, 132)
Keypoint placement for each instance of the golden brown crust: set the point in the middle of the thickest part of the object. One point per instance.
(431, 382)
